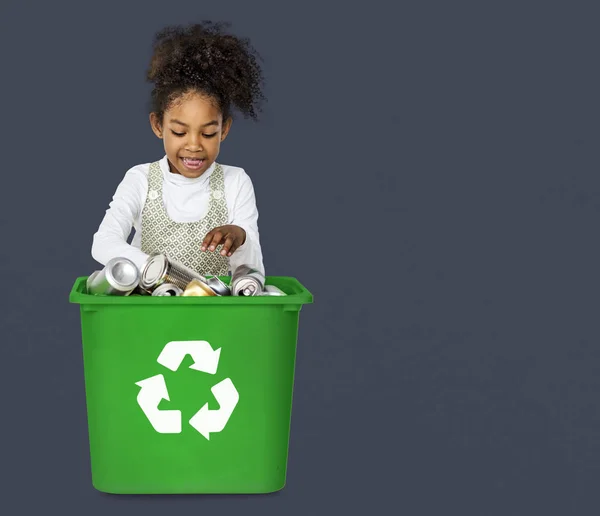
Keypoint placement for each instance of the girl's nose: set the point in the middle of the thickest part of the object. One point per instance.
(193, 143)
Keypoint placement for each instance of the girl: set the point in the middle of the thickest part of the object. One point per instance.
(199, 212)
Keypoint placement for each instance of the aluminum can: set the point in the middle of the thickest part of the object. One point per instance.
(90, 280)
(167, 289)
(158, 269)
(272, 290)
(247, 281)
(119, 277)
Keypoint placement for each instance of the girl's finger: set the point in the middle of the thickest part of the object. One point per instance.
(207, 239)
(234, 246)
(216, 240)
(227, 246)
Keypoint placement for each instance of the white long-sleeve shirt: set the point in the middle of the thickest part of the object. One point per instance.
(185, 200)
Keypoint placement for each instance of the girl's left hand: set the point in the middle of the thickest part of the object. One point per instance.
(230, 236)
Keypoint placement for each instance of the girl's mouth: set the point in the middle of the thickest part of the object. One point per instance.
(192, 163)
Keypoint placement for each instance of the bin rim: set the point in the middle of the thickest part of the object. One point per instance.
(300, 296)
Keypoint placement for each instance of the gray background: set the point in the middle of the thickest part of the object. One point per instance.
(428, 171)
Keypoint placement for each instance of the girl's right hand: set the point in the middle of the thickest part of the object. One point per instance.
(230, 236)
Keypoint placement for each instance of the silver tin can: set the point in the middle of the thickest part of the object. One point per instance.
(119, 277)
(158, 269)
(247, 281)
(167, 289)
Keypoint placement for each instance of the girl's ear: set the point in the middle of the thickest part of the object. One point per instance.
(226, 127)
(156, 125)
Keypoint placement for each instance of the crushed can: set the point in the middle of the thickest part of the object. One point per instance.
(158, 270)
(198, 287)
(219, 288)
(247, 281)
(119, 277)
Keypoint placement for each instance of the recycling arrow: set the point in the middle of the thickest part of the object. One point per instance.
(207, 421)
(153, 390)
(205, 359)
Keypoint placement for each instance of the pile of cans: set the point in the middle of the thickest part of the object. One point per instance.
(163, 277)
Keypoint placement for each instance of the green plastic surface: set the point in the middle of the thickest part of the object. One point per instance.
(123, 336)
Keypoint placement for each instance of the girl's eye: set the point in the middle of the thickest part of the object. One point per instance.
(205, 135)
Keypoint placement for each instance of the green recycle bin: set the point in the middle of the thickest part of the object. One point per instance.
(189, 394)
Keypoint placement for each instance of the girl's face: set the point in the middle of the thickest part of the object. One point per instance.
(192, 129)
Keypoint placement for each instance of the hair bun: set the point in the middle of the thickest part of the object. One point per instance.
(205, 58)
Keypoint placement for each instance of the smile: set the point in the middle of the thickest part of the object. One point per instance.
(192, 163)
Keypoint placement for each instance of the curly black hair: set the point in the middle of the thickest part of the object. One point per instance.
(203, 57)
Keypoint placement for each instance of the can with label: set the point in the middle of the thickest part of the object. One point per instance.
(167, 289)
(159, 269)
(247, 281)
(119, 277)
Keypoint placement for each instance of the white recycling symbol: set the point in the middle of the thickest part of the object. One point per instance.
(154, 389)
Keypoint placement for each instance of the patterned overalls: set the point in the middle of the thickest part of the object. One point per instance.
(181, 241)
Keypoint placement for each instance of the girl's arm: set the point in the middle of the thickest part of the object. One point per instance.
(245, 215)
(110, 240)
